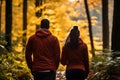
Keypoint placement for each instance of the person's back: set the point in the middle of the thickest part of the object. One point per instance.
(75, 56)
(46, 53)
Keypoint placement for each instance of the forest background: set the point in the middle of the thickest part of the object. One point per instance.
(63, 15)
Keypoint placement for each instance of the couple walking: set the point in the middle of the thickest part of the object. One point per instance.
(43, 54)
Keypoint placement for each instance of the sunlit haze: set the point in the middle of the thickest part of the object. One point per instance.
(71, 0)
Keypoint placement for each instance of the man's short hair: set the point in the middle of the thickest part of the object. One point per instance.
(45, 23)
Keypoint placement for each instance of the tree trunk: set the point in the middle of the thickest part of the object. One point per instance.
(90, 28)
(24, 22)
(0, 14)
(116, 27)
(8, 25)
(105, 27)
(39, 12)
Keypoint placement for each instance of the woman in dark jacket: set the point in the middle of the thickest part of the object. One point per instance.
(75, 56)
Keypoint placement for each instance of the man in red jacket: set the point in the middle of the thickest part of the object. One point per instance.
(43, 53)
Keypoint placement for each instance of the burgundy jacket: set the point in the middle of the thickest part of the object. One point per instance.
(76, 58)
(42, 51)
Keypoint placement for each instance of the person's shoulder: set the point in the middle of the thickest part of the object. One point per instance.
(53, 36)
(83, 43)
(32, 36)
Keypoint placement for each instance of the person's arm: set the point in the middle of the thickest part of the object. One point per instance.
(56, 52)
(63, 57)
(86, 59)
(28, 54)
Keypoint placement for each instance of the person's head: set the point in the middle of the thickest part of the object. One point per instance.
(74, 33)
(45, 23)
(73, 37)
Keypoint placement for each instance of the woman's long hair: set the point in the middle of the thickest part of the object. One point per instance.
(72, 40)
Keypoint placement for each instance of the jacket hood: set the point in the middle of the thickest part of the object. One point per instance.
(42, 33)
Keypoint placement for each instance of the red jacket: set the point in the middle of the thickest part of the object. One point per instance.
(76, 58)
(45, 50)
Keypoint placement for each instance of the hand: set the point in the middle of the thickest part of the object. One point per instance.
(86, 75)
